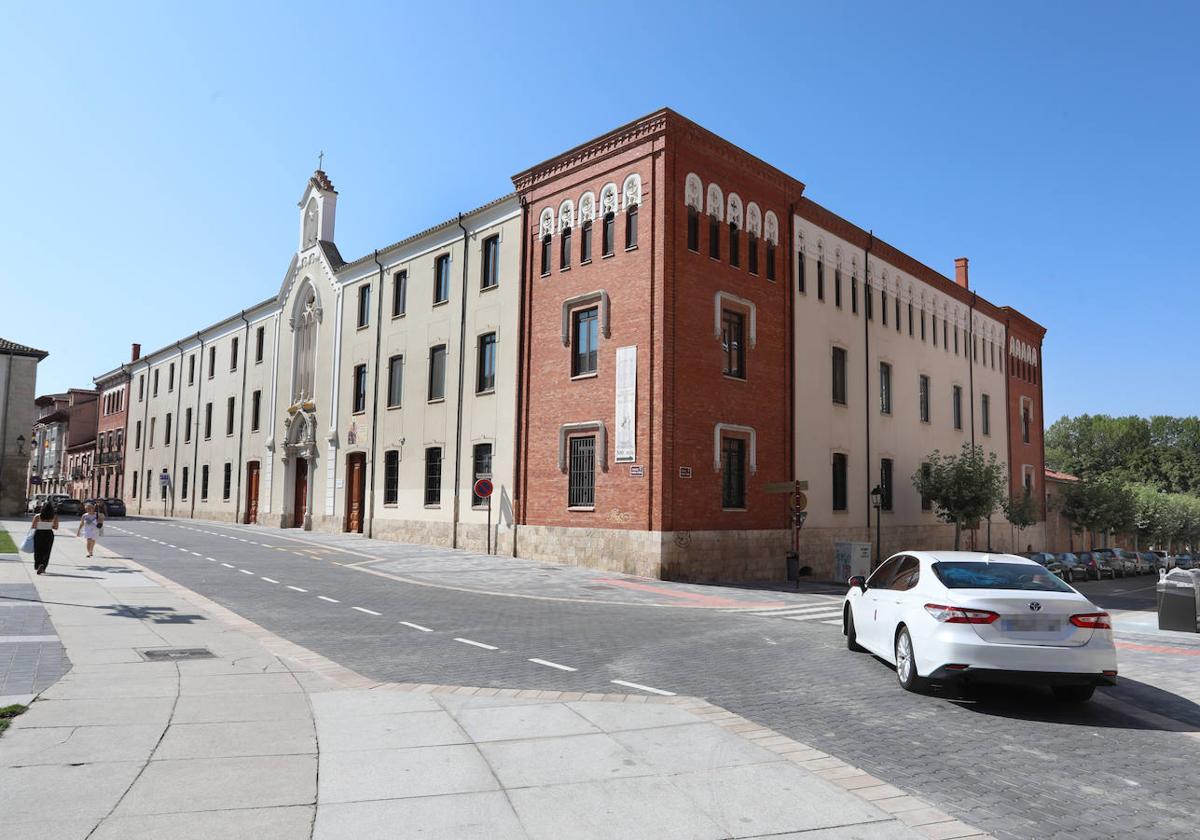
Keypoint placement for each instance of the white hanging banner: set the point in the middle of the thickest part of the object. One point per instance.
(626, 444)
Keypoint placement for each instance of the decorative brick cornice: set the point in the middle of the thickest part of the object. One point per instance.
(638, 131)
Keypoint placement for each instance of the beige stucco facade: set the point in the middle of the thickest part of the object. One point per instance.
(18, 384)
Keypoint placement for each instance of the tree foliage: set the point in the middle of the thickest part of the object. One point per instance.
(1162, 452)
(963, 488)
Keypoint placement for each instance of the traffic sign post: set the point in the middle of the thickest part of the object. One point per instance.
(164, 481)
(484, 489)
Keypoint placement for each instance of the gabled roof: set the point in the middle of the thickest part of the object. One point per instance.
(332, 255)
(11, 348)
(1055, 475)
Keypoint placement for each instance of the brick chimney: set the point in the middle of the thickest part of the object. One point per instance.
(137, 353)
(960, 272)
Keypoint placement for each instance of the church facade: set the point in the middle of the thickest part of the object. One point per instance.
(640, 347)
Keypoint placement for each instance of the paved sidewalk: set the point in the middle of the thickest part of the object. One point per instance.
(264, 739)
(31, 656)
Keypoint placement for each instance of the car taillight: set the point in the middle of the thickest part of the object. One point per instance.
(1092, 621)
(959, 615)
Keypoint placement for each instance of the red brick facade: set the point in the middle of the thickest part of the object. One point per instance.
(1026, 448)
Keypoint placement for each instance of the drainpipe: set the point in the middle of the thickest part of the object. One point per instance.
(145, 437)
(518, 483)
(237, 496)
(370, 529)
(196, 436)
(462, 369)
(867, 366)
(175, 443)
(971, 365)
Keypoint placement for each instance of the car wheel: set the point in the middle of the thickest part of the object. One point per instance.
(906, 663)
(1073, 693)
(851, 635)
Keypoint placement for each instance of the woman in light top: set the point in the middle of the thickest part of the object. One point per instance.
(89, 526)
(45, 523)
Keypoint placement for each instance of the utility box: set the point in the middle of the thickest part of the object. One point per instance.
(1179, 600)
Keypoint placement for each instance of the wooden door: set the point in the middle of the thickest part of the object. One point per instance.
(252, 493)
(356, 486)
(300, 497)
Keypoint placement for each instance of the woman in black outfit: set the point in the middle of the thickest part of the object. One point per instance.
(45, 523)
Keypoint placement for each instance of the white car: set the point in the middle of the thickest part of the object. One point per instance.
(963, 616)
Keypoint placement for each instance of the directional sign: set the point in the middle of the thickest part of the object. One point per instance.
(483, 488)
(800, 502)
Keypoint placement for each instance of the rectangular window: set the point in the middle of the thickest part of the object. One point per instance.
(885, 483)
(154, 389)
(227, 482)
(910, 319)
(922, 324)
(926, 502)
(885, 388)
(585, 335)
(837, 288)
(854, 295)
(204, 483)
(545, 255)
(441, 279)
(183, 485)
(433, 475)
(733, 473)
(800, 272)
(395, 386)
(924, 398)
(581, 479)
(631, 227)
(229, 404)
(693, 229)
(360, 389)
(150, 437)
(171, 378)
(187, 426)
(934, 330)
(482, 461)
(839, 375)
(259, 339)
(255, 409)
(212, 361)
(437, 372)
(897, 312)
(137, 435)
(883, 307)
(585, 242)
(1026, 421)
(714, 238)
(207, 421)
(233, 353)
(985, 404)
(485, 368)
(192, 369)
(956, 339)
(771, 261)
(149, 478)
(735, 244)
(135, 479)
(868, 301)
(820, 280)
(732, 343)
(957, 397)
(364, 305)
(564, 249)
(391, 477)
(399, 293)
(839, 481)
(752, 253)
(167, 430)
(491, 263)
(607, 235)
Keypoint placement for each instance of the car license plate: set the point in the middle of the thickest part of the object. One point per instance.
(1027, 625)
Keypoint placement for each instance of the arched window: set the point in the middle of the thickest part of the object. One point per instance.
(693, 192)
(546, 230)
(566, 216)
(304, 350)
(753, 232)
(771, 234)
(587, 214)
(716, 212)
(735, 222)
(632, 192)
(608, 206)
(310, 223)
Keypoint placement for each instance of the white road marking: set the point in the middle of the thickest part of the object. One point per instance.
(836, 621)
(196, 553)
(476, 644)
(330, 600)
(643, 688)
(169, 545)
(365, 610)
(270, 580)
(416, 627)
(815, 617)
(227, 565)
(812, 608)
(297, 588)
(211, 559)
(549, 664)
(246, 571)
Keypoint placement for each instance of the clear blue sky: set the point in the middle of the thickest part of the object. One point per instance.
(153, 153)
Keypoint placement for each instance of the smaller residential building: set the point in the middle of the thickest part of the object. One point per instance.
(18, 382)
(1060, 530)
(81, 441)
(109, 458)
(48, 458)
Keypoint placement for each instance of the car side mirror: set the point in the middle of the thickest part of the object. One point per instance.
(859, 581)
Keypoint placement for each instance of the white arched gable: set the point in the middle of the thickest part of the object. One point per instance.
(716, 202)
(753, 219)
(693, 192)
(771, 228)
(734, 211)
(608, 198)
(566, 215)
(587, 207)
(631, 190)
(546, 225)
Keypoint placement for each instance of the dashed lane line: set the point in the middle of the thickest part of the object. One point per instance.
(330, 600)
(246, 571)
(365, 610)
(476, 644)
(416, 627)
(549, 664)
(228, 565)
(196, 554)
(270, 580)
(297, 588)
(641, 687)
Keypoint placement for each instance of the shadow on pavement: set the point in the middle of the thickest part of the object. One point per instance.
(157, 615)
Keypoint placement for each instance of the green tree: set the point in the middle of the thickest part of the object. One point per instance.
(963, 488)
(1021, 511)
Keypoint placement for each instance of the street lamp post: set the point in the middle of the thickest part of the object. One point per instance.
(877, 501)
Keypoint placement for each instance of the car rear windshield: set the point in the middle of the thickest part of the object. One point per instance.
(958, 575)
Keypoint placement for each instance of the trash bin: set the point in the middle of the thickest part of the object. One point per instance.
(793, 566)
(1179, 600)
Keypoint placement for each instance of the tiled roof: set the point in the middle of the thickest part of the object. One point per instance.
(321, 180)
(11, 348)
(1054, 475)
(332, 254)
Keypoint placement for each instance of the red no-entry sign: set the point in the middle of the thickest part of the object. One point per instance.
(483, 488)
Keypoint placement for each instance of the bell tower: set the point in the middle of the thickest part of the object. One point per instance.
(318, 208)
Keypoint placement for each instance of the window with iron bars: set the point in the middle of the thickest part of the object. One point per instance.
(581, 484)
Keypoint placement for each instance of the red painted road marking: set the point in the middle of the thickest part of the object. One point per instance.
(701, 600)
(1160, 649)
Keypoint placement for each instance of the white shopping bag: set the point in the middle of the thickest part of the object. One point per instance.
(27, 545)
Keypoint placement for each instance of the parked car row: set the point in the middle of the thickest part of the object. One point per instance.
(1100, 563)
(66, 506)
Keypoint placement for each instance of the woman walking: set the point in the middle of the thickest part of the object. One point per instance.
(45, 523)
(89, 525)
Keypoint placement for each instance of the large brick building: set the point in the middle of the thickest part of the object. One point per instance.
(641, 347)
